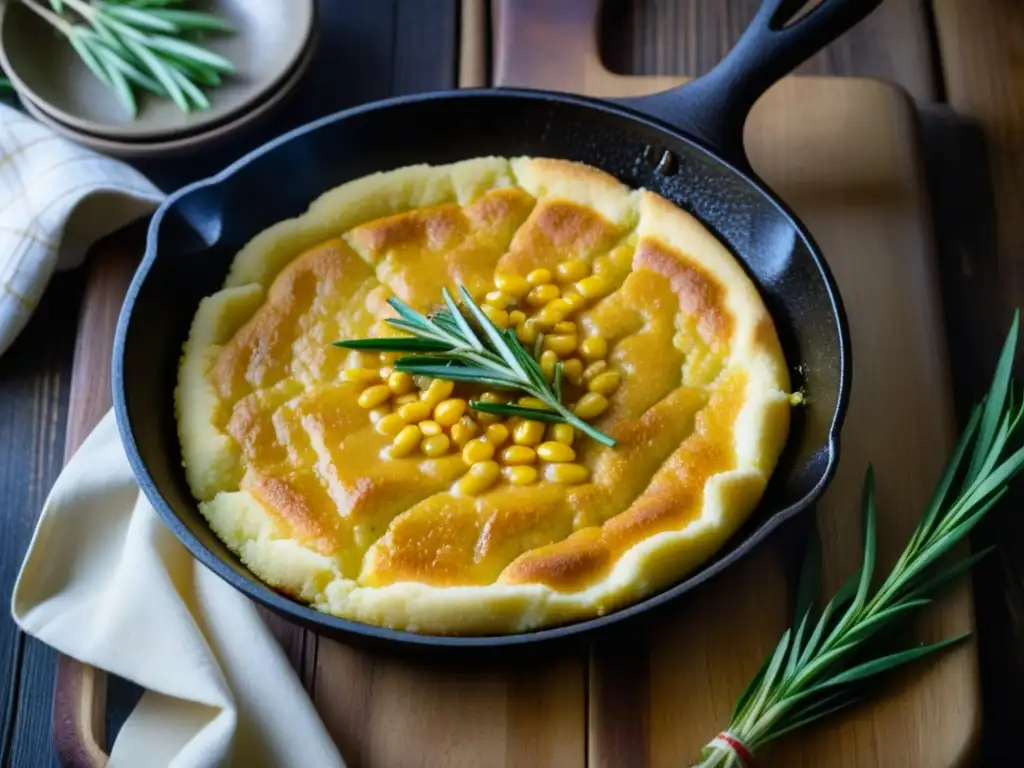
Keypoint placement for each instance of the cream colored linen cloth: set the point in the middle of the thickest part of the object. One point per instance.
(104, 581)
(56, 199)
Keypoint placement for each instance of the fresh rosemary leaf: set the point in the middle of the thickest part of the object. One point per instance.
(130, 71)
(140, 18)
(81, 46)
(994, 401)
(393, 344)
(465, 373)
(121, 87)
(556, 384)
(493, 334)
(160, 72)
(460, 321)
(875, 666)
(57, 5)
(194, 52)
(936, 584)
(189, 89)
(409, 314)
(188, 20)
(509, 409)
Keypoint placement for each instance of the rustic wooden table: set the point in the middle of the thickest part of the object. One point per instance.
(963, 63)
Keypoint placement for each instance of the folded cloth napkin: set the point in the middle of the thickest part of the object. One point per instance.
(56, 199)
(106, 582)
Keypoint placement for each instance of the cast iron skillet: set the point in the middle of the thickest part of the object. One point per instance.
(685, 144)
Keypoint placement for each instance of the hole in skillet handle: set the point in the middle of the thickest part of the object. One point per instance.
(714, 108)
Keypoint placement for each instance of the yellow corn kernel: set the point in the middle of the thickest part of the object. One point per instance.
(605, 383)
(489, 418)
(520, 475)
(603, 266)
(448, 412)
(574, 300)
(363, 376)
(572, 369)
(516, 317)
(496, 434)
(405, 442)
(376, 414)
(415, 412)
(479, 478)
(528, 433)
(572, 270)
(519, 454)
(373, 396)
(439, 389)
(565, 326)
(548, 360)
(542, 294)
(533, 402)
(497, 316)
(594, 287)
(590, 405)
(512, 285)
(622, 258)
(390, 425)
(476, 450)
(594, 348)
(539, 276)
(554, 312)
(492, 397)
(464, 431)
(499, 300)
(561, 433)
(562, 344)
(435, 445)
(401, 383)
(430, 428)
(594, 370)
(527, 331)
(412, 397)
(555, 451)
(571, 474)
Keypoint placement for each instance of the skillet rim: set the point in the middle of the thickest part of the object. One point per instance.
(335, 626)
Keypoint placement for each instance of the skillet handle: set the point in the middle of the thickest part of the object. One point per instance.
(714, 107)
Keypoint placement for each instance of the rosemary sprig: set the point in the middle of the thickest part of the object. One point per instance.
(820, 664)
(466, 346)
(140, 44)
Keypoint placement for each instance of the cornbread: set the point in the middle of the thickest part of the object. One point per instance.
(385, 498)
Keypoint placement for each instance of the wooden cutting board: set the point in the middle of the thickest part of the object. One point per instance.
(844, 154)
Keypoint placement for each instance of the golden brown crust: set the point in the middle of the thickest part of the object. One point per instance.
(287, 464)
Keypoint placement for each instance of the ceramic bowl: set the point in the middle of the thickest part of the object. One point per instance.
(271, 38)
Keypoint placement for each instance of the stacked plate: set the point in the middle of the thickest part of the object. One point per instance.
(271, 48)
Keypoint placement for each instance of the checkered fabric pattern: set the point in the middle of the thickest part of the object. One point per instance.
(56, 199)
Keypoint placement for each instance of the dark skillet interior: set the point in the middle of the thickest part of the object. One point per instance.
(196, 234)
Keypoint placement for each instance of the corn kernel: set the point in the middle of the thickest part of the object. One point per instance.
(412, 397)
(390, 425)
(562, 344)
(565, 326)
(572, 369)
(561, 433)
(528, 433)
(519, 454)
(548, 360)
(464, 431)
(594, 287)
(590, 405)
(448, 412)
(605, 383)
(435, 445)
(499, 300)
(622, 258)
(405, 442)
(527, 331)
(555, 451)
(363, 376)
(414, 412)
(571, 474)
(512, 285)
(533, 402)
(430, 428)
(477, 450)
(497, 316)
(572, 270)
(439, 389)
(373, 396)
(520, 475)
(542, 294)
(574, 300)
(539, 276)
(603, 266)
(479, 478)
(594, 370)
(594, 348)
(378, 413)
(554, 312)
(400, 383)
(497, 434)
(516, 317)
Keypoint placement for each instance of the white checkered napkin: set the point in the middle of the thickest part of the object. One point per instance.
(56, 199)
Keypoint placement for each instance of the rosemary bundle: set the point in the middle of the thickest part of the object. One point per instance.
(141, 44)
(464, 345)
(822, 663)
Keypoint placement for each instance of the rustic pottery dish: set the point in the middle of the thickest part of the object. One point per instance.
(271, 38)
(684, 144)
